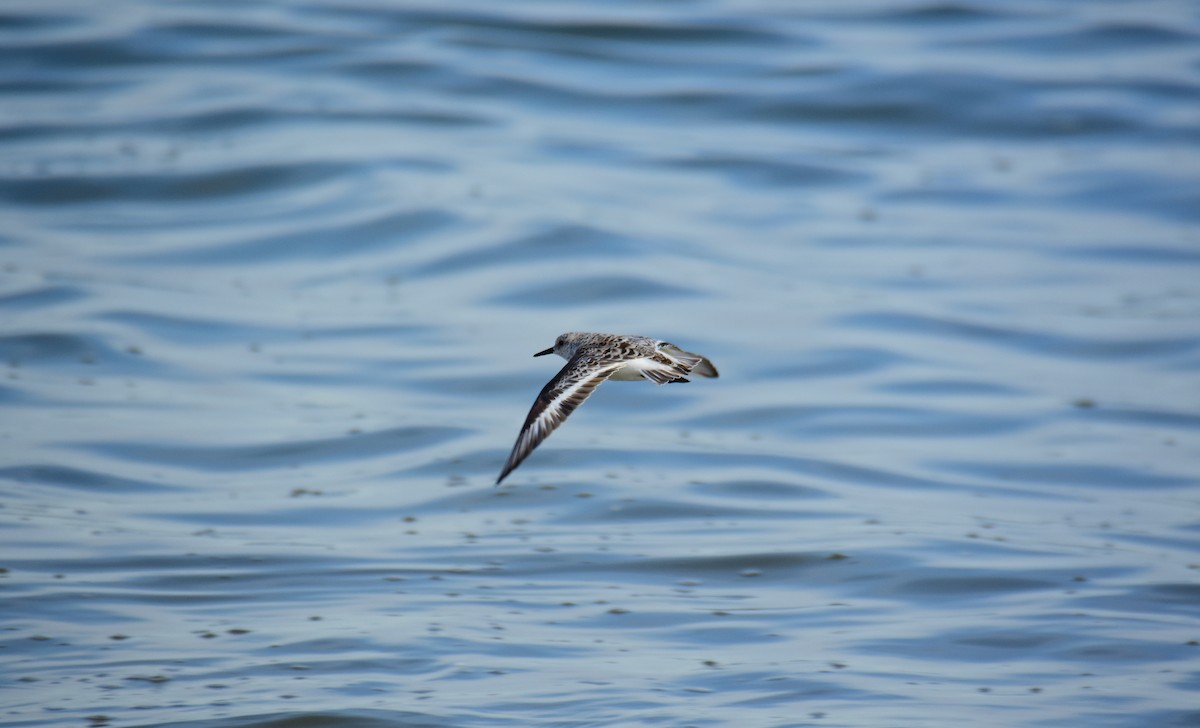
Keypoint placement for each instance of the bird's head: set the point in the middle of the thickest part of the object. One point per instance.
(565, 345)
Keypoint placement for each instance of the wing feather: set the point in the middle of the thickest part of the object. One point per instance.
(567, 390)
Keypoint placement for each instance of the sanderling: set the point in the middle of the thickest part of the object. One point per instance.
(592, 358)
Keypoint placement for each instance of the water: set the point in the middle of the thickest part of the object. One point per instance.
(272, 274)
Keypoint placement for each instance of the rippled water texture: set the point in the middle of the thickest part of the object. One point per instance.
(271, 274)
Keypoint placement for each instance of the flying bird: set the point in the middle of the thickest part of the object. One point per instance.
(591, 359)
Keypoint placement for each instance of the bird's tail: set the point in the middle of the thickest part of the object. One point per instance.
(695, 363)
(705, 368)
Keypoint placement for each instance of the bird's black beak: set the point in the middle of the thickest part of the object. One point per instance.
(544, 353)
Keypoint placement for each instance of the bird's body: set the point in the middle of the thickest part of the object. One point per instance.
(591, 359)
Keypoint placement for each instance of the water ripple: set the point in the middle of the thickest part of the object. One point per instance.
(363, 718)
(278, 455)
(1071, 474)
(261, 180)
(591, 291)
(324, 242)
(565, 243)
(61, 350)
(84, 480)
(41, 297)
(1034, 342)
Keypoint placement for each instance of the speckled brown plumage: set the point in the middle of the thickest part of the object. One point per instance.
(591, 359)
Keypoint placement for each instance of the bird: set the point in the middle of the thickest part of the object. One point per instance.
(591, 359)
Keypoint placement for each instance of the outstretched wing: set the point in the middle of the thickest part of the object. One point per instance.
(558, 399)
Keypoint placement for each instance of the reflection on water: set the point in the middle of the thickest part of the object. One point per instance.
(271, 276)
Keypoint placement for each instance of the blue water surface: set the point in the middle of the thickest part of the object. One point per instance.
(271, 273)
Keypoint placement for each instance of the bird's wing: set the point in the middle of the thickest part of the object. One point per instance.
(558, 399)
